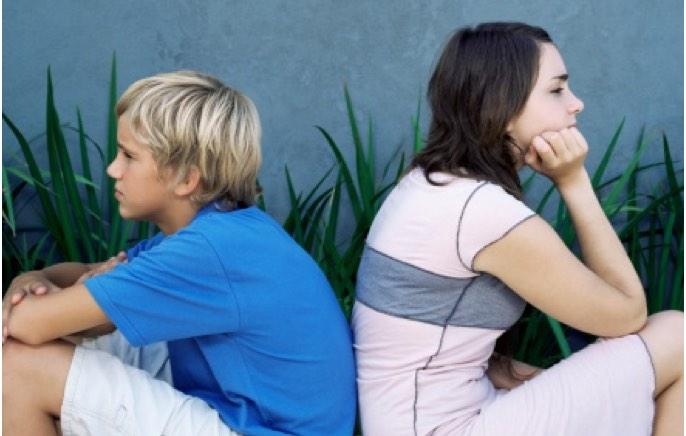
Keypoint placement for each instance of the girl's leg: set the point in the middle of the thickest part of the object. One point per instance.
(33, 381)
(663, 335)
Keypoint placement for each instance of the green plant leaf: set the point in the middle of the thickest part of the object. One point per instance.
(344, 174)
(8, 203)
(609, 202)
(50, 215)
(560, 336)
(92, 199)
(600, 171)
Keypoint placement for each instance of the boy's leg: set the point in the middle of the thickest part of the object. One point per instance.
(152, 358)
(33, 386)
(105, 396)
(94, 392)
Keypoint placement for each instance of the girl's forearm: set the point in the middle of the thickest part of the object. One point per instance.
(601, 249)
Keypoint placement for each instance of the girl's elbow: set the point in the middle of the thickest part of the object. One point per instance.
(640, 316)
(633, 319)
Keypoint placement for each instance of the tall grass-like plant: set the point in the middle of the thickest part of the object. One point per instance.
(649, 224)
(81, 220)
(315, 217)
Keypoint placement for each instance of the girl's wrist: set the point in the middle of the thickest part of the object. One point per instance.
(573, 181)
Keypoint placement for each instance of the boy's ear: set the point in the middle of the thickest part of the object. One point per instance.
(188, 184)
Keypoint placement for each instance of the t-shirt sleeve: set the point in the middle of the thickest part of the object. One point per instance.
(176, 289)
(144, 245)
(488, 215)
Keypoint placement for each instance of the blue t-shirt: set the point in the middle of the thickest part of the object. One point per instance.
(252, 325)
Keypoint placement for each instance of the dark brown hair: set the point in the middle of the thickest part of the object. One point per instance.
(481, 82)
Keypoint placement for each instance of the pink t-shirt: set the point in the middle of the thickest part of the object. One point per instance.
(425, 323)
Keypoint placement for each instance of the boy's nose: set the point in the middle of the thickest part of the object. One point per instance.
(112, 169)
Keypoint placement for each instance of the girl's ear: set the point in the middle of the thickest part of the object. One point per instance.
(188, 184)
(510, 126)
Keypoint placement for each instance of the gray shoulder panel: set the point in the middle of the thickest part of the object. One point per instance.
(396, 288)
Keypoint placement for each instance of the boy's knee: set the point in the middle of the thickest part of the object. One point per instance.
(22, 363)
(15, 356)
(13, 353)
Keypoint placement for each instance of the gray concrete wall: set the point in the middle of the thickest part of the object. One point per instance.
(625, 59)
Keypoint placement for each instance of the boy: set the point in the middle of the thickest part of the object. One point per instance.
(225, 305)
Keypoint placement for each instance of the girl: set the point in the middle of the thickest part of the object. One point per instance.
(454, 255)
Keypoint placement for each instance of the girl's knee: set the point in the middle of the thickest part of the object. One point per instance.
(663, 335)
(668, 324)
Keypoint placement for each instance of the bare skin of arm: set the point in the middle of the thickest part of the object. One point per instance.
(53, 279)
(603, 294)
(40, 319)
(501, 378)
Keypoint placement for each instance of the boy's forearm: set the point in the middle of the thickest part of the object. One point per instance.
(40, 319)
(65, 274)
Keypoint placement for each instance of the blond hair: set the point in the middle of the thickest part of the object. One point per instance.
(189, 119)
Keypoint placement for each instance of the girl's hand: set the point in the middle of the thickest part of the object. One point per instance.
(558, 155)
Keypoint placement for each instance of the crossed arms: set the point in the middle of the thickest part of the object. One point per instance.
(52, 303)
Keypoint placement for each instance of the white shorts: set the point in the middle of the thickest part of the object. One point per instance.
(114, 388)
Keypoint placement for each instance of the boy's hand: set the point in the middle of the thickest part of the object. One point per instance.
(36, 283)
(32, 282)
(104, 267)
(558, 155)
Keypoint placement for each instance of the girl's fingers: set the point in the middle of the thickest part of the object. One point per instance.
(544, 150)
(571, 142)
(557, 144)
(532, 158)
(580, 140)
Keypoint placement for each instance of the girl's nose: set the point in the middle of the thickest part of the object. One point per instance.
(576, 105)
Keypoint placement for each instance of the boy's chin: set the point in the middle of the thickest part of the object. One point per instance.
(128, 215)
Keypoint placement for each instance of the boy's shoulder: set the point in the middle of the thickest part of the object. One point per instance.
(235, 223)
(240, 228)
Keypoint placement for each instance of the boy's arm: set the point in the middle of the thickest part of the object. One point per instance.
(40, 319)
(66, 273)
(52, 279)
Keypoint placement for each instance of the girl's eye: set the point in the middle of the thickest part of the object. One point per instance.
(556, 91)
